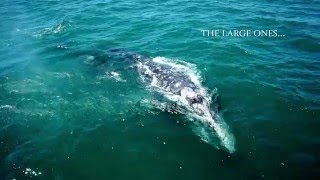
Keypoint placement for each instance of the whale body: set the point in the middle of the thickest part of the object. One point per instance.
(179, 83)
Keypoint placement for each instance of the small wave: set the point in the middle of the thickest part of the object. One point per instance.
(9, 108)
(55, 29)
(89, 59)
(61, 75)
(6, 107)
(308, 44)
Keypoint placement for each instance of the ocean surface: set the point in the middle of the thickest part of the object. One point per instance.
(67, 112)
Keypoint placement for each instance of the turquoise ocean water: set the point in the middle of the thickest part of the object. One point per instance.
(67, 112)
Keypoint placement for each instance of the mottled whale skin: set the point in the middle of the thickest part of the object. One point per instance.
(168, 79)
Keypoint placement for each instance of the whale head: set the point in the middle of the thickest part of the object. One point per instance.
(196, 101)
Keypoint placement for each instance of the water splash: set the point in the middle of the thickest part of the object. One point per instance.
(116, 76)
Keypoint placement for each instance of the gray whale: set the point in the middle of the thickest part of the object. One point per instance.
(179, 83)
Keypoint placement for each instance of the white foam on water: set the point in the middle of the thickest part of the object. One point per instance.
(209, 119)
(55, 29)
(30, 172)
(6, 107)
(112, 75)
(89, 59)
